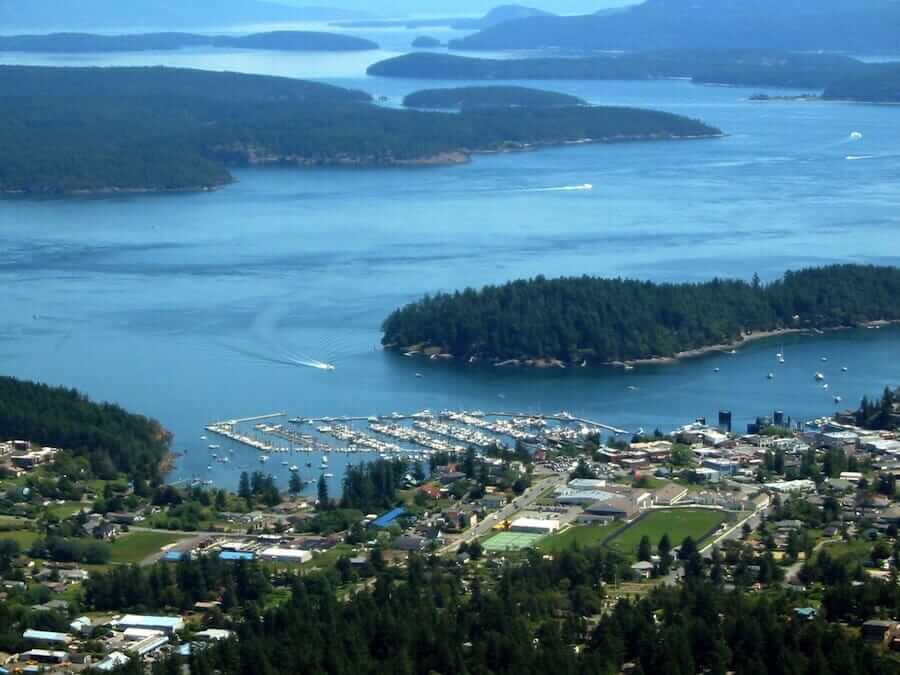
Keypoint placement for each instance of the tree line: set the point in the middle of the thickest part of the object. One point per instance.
(113, 440)
(609, 320)
(171, 129)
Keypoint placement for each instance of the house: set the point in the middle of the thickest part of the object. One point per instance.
(493, 502)
(106, 531)
(387, 519)
(643, 569)
(805, 613)
(877, 630)
(431, 490)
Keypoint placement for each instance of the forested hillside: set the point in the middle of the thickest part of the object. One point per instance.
(720, 66)
(169, 129)
(488, 97)
(878, 84)
(618, 319)
(530, 619)
(113, 439)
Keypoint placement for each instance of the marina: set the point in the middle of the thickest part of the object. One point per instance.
(417, 434)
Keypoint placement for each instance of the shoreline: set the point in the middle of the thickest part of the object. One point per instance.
(434, 353)
(441, 159)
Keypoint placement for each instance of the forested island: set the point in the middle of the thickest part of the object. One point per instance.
(572, 320)
(494, 17)
(880, 83)
(111, 439)
(66, 130)
(464, 98)
(854, 26)
(739, 67)
(93, 43)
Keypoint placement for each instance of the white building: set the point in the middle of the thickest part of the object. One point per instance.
(285, 555)
(534, 525)
(164, 624)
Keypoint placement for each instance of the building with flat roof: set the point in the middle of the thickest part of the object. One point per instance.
(46, 656)
(534, 525)
(46, 636)
(388, 518)
(164, 624)
(285, 555)
(236, 556)
(112, 661)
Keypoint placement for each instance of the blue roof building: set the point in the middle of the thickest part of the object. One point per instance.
(389, 517)
(45, 636)
(235, 556)
(173, 556)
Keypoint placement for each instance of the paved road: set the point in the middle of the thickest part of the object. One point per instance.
(736, 531)
(521, 503)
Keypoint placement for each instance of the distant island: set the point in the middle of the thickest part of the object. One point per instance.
(720, 66)
(494, 17)
(71, 130)
(426, 42)
(93, 43)
(594, 320)
(854, 26)
(465, 98)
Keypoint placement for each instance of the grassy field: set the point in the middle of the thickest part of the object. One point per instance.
(678, 523)
(63, 511)
(329, 557)
(25, 538)
(583, 535)
(136, 546)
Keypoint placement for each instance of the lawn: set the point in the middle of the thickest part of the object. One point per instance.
(857, 550)
(134, 547)
(330, 557)
(63, 511)
(583, 535)
(25, 538)
(678, 523)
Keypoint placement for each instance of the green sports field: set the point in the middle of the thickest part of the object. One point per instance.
(511, 541)
(678, 523)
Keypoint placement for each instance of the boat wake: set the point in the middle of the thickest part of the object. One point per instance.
(856, 158)
(285, 360)
(565, 188)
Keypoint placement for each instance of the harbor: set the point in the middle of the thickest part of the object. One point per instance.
(416, 434)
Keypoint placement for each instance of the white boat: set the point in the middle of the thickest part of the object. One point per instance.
(733, 352)
(203, 438)
(213, 446)
(263, 459)
(419, 375)
(328, 475)
(780, 358)
(717, 370)
(824, 359)
(294, 468)
(820, 377)
(837, 399)
(770, 376)
(825, 386)
(844, 369)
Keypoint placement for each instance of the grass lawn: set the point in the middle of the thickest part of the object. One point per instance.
(857, 550)
(136, 546)
(63, 511)
(678, 523)
(329, 557)
(25, 538)
(583, 535)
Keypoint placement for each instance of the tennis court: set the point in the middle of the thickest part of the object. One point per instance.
(511, 541)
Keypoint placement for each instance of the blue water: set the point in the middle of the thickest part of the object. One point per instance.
(188, 307)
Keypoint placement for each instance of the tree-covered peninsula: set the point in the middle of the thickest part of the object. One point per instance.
(880, 83)
(462, 98)
(112, 439)
(744, 67)
(139, 42)
(608, 320)
(65, 130)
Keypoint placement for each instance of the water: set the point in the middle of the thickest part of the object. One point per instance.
(193, 307)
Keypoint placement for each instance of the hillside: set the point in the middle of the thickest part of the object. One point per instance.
(607, 320)
(879, 84)
(488, 97)
(65, 130)
(863, 26)
(118, 14)
(731, 66)
(111, 438)
(89, 42)
(494, 17)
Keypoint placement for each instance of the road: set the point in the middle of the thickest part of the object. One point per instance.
(736, 531)
(521, 503)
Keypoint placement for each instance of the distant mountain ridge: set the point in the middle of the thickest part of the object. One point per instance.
(496, 16)
(92, 43)
(839, 25)
(96, 14)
